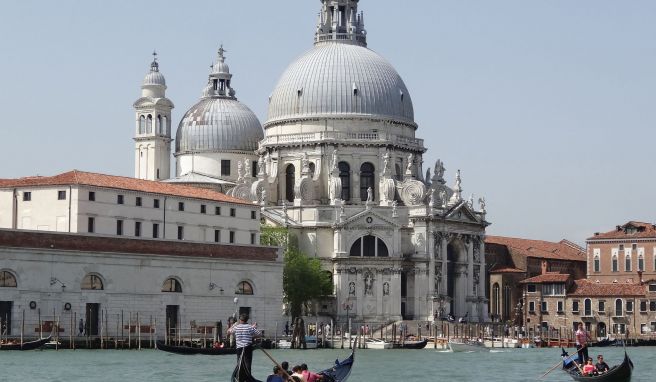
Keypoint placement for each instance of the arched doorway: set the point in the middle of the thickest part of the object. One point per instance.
(496, 297)
(290, 182)
(456, 256)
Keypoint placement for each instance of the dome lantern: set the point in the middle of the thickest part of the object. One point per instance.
(219, 83)
(340, 21)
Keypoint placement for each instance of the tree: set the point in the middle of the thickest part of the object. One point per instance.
(303, 278)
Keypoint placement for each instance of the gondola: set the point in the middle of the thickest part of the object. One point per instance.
(188, 350)
(604, 343)
(618, 373)
(411, 344)
(339, 372)
(26, 345)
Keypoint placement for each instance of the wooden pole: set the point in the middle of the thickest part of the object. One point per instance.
(22, 327)
(139, 331)
(150, 330)
(75, 321)
(57, 335)
(122, 333)
(102, 324)
(70, 334)
(117, 331)
(130, 332)
(40, 326)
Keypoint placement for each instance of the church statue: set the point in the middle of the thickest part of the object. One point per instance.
(305, 163)
(369, 284)
(386, 289)
(240, 171)
(395, 213)
(263, 202)
(370, 195)
(481, 202)
(443, 198)
(470, 203)
(439, 170)
(431, 199)
(386, 163)
(334, 164)
(411, 160)
(261, 170)
(247, 168)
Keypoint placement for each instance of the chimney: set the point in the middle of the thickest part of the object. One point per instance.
(544, 267)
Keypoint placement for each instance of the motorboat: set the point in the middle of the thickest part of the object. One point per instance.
(467, 346)
(377, 344)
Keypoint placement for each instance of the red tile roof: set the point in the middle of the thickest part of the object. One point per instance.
(506, 270)
(587, 288)
(76, 177)
(547, 278)
(103, 244)
(644, 230)
(563, 250)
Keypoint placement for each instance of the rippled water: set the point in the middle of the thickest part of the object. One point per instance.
(370, 366)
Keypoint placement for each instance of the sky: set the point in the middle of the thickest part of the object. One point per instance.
(546, 106)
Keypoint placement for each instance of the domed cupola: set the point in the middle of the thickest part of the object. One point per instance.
(340, 78)
(218, 122)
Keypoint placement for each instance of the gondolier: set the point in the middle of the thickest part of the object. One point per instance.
(582, 338)
(244, 335)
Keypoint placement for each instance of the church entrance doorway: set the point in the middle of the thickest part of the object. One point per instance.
(5, 317)
(172, 312)
(92, 315)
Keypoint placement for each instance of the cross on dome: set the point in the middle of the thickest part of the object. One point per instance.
(154, 66)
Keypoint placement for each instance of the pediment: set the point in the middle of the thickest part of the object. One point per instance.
(368, 218)
(463, 213)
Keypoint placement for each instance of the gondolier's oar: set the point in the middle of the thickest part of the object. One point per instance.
(287, 376)
(560, 363)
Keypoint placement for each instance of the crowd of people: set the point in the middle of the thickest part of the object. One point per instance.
(299, 373)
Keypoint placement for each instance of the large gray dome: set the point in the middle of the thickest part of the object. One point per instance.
(336, 80)
(218, 124)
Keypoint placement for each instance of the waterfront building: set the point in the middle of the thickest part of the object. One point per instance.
(342, 168)
(512, 260)
(118, 284)
(626, 254)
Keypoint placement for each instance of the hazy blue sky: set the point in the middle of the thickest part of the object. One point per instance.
(547, 107)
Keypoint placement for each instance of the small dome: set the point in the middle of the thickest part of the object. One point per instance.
(217, 124)
(340, 80)
(154, 77)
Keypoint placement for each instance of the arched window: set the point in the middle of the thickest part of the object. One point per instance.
(244, 287)
(290, 182)
(618, 307)
(312, 169)
(165, 126)
(597, 263)
(92, 282)
(369, 246)
(399, 174)
(587, 307)
(7, 280)
(367, 178)
(496, 299)
(172, 285)
(641, 263)
(345, 176)
(158, 125)
(627, 262)
(142, 125)
(149, 124)
(614, 264)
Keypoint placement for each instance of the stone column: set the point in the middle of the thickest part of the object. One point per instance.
(431, 263)
(470, 274)
(444, 243)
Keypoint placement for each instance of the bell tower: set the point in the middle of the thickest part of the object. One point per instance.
(153, 127)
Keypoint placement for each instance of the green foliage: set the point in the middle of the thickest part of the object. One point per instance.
(303, 278)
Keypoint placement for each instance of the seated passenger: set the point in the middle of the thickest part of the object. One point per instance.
(276, 376)
(308, 375)
(589, 368)
(601, 366)
(297, 372)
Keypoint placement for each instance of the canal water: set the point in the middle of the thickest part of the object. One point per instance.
(371, 365)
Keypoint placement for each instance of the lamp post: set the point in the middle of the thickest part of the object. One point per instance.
(347, 306)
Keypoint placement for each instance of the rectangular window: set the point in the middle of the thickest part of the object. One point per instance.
(615, 267)
(27, 196)
(180, 232)
(217, 235)
(91, 225)
(180, 206)
(643, 306)
(254, 215)
(652, 305)
(137, 201)
(253, 238)
(233, 212)
(560, 307)
(232, 237)
(653, 326)
(203, 209)
(217, 210)
(92, 196)
(602, 306)
(119, 227)
(641, 263)
(634, 246)
(531, 288)
(545, 307)
(225, 167)
(531, 306)
(155, 230)
(652, 288)
(119, 199)
(575, 306)
(155, 203)
(621, 247)
(137, 229)
(553, 289)
(597, 264)
(627, 263)
(61, 195)
(619, 328)
(629, 306)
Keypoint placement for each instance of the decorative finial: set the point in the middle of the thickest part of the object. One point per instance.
(154, 66)
(222, 53)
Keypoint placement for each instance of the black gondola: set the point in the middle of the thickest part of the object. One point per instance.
(188, 350)
(338, 373)
(32, 345)
(411, 344)
(618, 373)
(604, 343)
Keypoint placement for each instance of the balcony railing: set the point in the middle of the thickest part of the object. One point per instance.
(354, 137)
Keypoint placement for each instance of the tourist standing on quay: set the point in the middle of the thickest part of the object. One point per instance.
(244, 335)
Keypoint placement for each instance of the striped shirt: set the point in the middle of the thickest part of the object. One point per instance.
(244, 334)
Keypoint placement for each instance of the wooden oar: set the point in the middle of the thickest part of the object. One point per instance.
(560, 363)
(287, 376)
